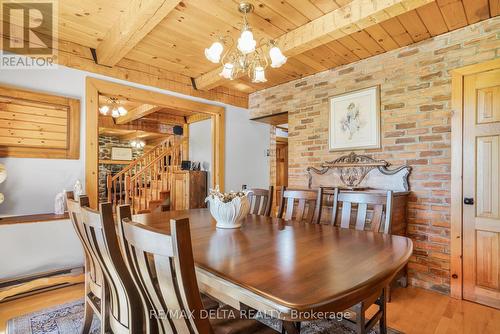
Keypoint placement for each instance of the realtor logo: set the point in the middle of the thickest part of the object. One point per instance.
(29, 30)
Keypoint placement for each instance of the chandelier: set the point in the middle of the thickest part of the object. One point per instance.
(137, 143)
(245, 58)
(113, 106)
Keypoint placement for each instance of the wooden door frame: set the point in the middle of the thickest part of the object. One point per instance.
(456, 250)
(94, 87)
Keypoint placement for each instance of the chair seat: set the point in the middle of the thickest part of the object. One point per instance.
(227, 322)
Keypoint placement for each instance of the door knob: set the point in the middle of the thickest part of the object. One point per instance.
(469, 201)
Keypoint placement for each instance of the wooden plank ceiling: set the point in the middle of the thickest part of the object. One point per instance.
(177, 42)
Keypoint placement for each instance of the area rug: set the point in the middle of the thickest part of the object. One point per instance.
(68, 319)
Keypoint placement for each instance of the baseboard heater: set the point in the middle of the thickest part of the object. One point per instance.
(41, 282)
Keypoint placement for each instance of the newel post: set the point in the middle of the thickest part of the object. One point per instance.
(109, 185)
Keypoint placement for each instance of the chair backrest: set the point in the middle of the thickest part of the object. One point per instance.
(261, 201)
(378, 205)
(94, 281)
(173, 291)
(308, 208)
(124, 302)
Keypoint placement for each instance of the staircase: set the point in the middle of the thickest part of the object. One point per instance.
(146, 182)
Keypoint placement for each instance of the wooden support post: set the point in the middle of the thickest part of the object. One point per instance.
(185, 142)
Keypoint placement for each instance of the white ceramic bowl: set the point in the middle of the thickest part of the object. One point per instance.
(230, 214)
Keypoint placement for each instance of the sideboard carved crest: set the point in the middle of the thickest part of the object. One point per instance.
(355, 171)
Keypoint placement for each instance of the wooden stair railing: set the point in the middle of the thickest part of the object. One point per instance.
(119, 185)
(155, 179)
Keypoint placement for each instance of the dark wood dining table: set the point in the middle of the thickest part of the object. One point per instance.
(288, 269)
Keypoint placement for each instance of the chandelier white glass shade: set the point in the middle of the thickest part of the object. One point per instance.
(137, 143)
(259, 75)
(246, 43)
(245, 58)
(228, 71)
(277, 57)
(214, 52)
(113, 106)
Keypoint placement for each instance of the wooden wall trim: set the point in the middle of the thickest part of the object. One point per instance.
(456, 250)
(456, 186)
(92, 142)
(36, 218)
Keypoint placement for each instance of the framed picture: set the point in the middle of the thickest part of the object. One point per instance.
(121, 153)
(355, 120)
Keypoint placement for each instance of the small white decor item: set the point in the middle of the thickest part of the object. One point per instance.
(77, 189)
(3, 176)
(59, 203)
(228, 209)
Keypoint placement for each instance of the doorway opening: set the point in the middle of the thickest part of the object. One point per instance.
(141, 156)
(278, 152)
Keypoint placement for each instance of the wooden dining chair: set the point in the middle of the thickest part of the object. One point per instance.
(362, 210)
(301, 205)
(95, 287)
(366, 212)
(261, 201)
(124, 212)
(174, 289)
(125, 314)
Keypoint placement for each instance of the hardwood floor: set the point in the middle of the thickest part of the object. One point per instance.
(412, 310)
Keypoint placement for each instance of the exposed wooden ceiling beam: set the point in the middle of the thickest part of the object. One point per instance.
(165, 119)
(197, 118)
(138, 112)
(131, 27)
(106, 122)
(141, 135)
(354, 16)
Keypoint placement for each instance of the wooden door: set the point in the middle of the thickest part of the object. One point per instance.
(180, 187)
(481, 188)
(282, 163)
(281, 168)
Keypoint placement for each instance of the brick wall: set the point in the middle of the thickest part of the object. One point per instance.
(415, 85)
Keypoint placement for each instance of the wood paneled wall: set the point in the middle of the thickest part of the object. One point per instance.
(36, 125)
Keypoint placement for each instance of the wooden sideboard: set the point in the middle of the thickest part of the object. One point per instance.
(399, 208)
(189, 190)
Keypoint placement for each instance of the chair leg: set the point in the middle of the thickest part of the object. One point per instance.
(87, 318)
(360, 321)
(290, 327)
(104, 309)
(383, 308)
(298, 325)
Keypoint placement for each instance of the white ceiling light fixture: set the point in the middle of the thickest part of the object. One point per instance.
(277, 57)
(137, 143)
(245, 58)
(113, 106)
(214, 52)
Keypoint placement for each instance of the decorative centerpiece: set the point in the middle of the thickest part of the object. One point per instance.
(228, 209)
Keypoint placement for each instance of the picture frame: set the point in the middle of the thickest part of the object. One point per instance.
(354, 120)
(121, 153)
